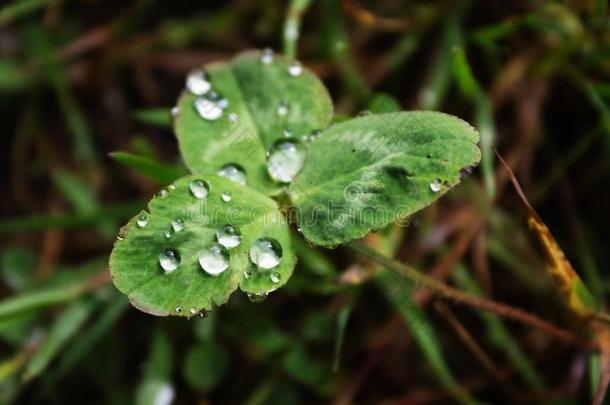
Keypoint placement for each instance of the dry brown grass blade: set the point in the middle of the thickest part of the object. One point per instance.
(577, 297)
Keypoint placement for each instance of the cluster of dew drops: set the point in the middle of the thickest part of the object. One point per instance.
(264, 253)
(285, 158)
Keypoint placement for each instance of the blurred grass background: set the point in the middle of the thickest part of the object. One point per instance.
(80, 79)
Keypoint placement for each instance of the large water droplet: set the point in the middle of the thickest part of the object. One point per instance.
(267, 56)
(142, 220)
(197, 83)
(233, 172)
(286, 158)
(257, 297)
(199, 188)
(226, 196)
(275, 277)
(266, 253)
(435, 186)
(282, 108)
(295, 69)
(228, 236)
(169, 260)
(177, 225)
(208, 109)
(214, 259)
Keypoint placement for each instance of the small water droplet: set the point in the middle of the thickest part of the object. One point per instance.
(163, 193)
(233, 117)
(175, 111)
(275, 277)
(168, 234)
(223, 103)
(120, 237)
(247, 274)
(267, 56)
(177, 225)
(199, 189)
(226, 196)
(285, 160)
(266, 253)
(208, 109)
(233, 172)
(169, 260)
(305, 138)
(287, 133)
(193, 310)
(178, 309)
(228, 236)
(197, 83)
(257, 297)
(171, 187)
(282, 108)
(142, 220)
(295, 69)
(214, 259)
(435, 186)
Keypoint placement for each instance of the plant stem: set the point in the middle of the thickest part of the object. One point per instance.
(461, 297)
(292, 26)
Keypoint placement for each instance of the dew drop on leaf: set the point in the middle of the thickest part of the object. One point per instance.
(275, 277)
(142, 220)
(175, 111)
(267, 56)
(286, 158)
(214, 259)
(197, 83)
(193, 310)
(177, 225)
(169, 260)
(435, 186)
(163, 193)
(257, 297)
(208, 109)
(295, 69)
(282, 108)
(233, 172)
(247, 274)
(266, 253)
(168, 234)
(199, 189)
(228, 236)
(226, 196)
(233, 117)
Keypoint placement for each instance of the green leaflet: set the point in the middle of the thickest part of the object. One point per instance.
(365, 173)
(188, 290)
(256, 92)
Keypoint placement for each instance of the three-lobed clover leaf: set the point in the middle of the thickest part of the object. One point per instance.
(258, 127)
(203, 236)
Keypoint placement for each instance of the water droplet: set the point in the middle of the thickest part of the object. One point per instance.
(228, 236)
(291, 30)
(295, 69)
(177, 225)
(197, 83)
(175, 111)
(267, 56)
(171, 187)
(214, 260)
(257, 297)
(233, 172)
(287, 133)
(178, 309)
(142, 220)
(120, 237)
(282, 108)
(305, 138)
(266, 253)
(275, 277)
(193, 310)
(163, 193)
(199, 188)
(233, 117)
(208, 109)
(223, 103)
(168, 235)
(226, 196)
(247, 274)
(435, 186)
(169, 260)
(285, 160)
